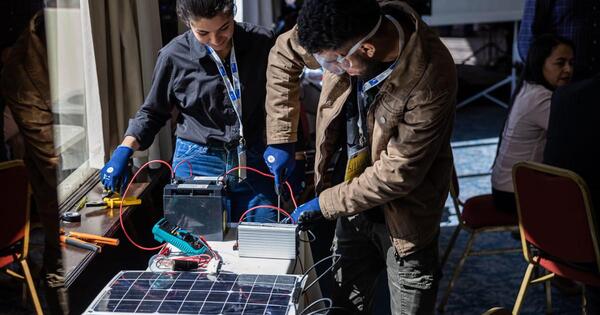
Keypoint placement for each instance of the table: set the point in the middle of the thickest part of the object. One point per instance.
(97, 221)
(232, 262)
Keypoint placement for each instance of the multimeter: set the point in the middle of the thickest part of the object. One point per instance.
(185, 241)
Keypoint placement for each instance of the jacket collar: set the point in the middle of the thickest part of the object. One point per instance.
(241, 41)
(413, 57)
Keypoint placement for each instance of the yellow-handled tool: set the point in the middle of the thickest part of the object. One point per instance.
(115, 202)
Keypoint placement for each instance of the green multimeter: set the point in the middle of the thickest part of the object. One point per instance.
(185, 241)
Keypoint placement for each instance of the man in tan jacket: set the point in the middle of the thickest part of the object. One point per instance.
(25, 86)
(387, 101)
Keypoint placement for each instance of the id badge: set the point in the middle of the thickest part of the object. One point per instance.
(357, 163)
(242, 161)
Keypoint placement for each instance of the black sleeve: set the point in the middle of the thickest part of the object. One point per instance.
(556, 138)
(156, 110)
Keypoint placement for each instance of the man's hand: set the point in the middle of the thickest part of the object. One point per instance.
(307, 214)
(115, 174)
(280, 159)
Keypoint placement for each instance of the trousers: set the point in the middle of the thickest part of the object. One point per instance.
(366, 252)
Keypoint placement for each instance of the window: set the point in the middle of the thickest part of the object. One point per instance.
(73, 88)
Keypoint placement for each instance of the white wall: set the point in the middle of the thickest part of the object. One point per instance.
(452, 12)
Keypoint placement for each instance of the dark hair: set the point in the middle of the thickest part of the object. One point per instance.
(192, 9)
(533, 71)
(539, 51)
(330, 24)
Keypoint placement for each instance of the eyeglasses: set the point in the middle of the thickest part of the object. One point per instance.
(341, 63)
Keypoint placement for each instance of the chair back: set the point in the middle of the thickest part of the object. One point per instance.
(14, 194)
(555, 213)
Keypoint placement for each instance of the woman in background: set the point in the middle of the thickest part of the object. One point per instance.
(549, 65)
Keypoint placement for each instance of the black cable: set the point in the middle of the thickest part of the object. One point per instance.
(305, 274)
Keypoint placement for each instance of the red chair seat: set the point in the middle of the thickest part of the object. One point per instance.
(6, 260)
(571, 273)
(480, 212)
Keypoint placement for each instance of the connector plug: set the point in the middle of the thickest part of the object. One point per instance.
(214, 266)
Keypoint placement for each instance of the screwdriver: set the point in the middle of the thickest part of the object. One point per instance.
(93, 238)
(79, 243)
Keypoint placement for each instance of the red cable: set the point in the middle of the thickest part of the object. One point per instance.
(266, 175)
(190, 167)
(191, 174)
(267, 207)
(125, 195)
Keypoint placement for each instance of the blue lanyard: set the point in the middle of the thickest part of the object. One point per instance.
(362, 93)
(233, 90)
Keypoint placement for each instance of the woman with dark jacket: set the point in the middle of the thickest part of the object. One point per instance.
(214, 74)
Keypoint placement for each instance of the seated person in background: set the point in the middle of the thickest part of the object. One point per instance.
(215, 74)
(572, 141)
(549, 65)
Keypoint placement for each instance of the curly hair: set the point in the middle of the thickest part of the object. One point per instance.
(330, 24)
(193, 9)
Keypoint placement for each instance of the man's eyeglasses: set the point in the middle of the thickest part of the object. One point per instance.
(341, 63)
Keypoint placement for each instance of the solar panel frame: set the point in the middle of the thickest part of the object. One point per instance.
(171, 293)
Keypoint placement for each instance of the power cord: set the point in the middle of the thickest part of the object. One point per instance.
(309, 240)
(315, 303)
(333, 264)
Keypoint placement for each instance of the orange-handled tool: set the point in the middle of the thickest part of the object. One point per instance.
(79, 243)
(94, 238)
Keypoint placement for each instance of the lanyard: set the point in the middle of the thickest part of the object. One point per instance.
(362, 93)
(233, 90)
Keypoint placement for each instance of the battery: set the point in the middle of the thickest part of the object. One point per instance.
(198, 206)
(268, 240)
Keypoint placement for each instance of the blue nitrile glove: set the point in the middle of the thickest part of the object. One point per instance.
(307, 213)
(280, 159)
(115, 174)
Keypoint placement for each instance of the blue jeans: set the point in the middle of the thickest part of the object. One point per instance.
(255, 190)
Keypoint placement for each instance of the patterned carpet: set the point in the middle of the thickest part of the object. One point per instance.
(486, 281)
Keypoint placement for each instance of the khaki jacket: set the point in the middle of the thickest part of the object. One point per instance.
(25, 86)
(409, 123)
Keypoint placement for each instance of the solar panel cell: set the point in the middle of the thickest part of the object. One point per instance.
(148, 307)
(170, 307)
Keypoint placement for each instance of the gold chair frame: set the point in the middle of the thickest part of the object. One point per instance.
(454, 194)
(22, 256)
(533, 260)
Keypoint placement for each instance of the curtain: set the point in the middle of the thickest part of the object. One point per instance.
(127, 38)
(255, 12)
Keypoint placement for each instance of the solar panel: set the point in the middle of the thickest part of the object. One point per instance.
(138, 292)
